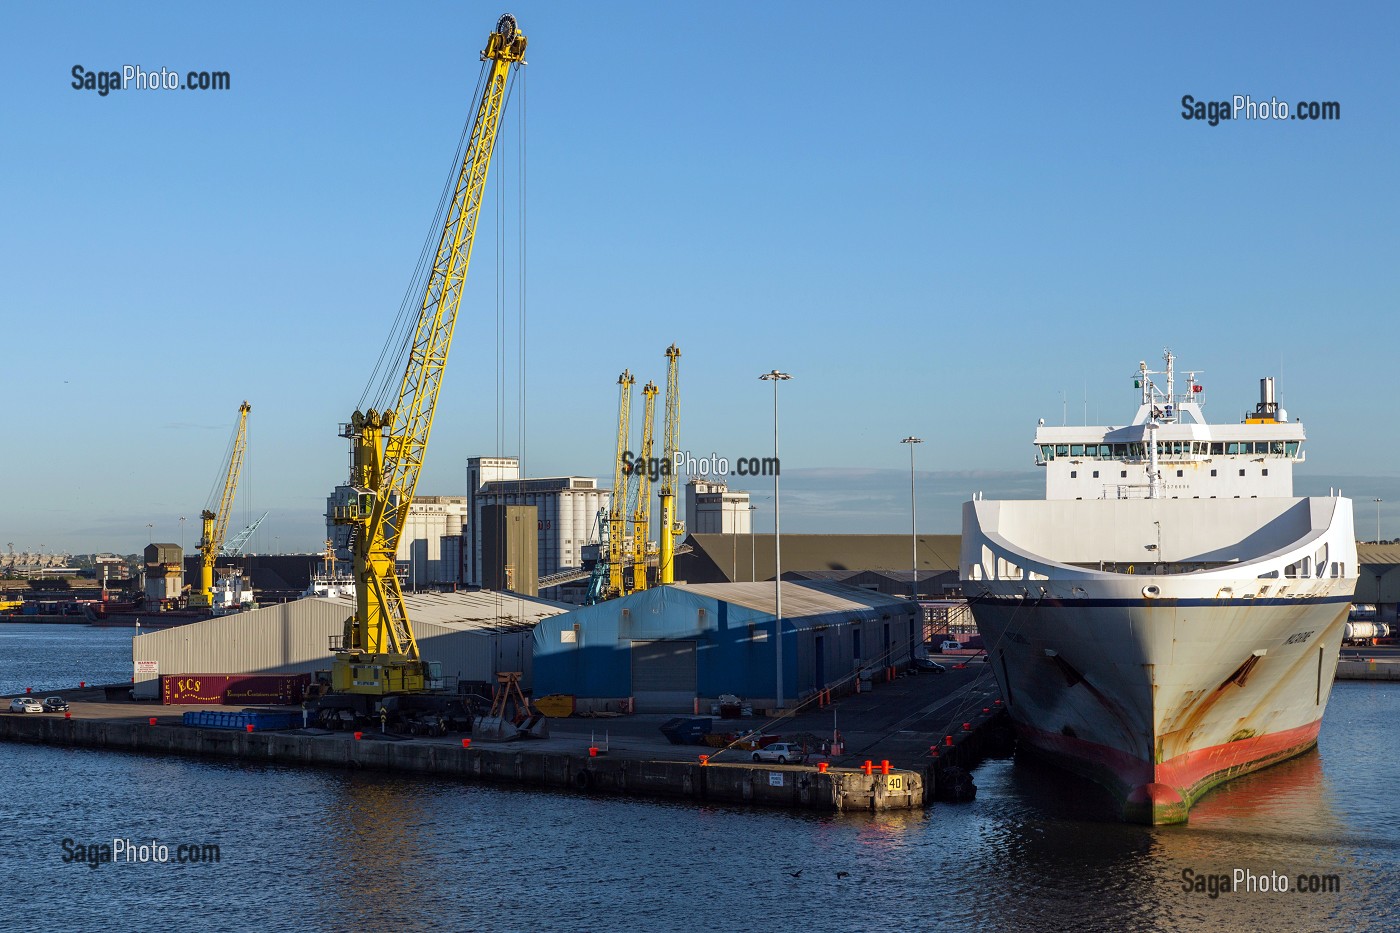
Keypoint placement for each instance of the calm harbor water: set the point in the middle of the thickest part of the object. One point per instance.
(311, 849)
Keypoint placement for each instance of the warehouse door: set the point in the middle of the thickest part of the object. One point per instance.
(663, 676)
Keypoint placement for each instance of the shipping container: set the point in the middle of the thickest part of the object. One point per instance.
(233, 689)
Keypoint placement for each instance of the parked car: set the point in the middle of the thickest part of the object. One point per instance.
(781, 752)
(55, 705)
(950, 646)
(26, 705)
(930, 665)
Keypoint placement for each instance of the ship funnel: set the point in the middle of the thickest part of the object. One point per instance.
(1266, 392)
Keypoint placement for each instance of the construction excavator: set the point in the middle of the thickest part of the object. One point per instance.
(377, 655)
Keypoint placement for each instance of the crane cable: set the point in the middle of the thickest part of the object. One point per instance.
(388, 369)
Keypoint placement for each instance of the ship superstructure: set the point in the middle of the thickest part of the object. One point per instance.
(1170, 615)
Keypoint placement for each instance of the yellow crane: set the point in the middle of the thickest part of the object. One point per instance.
(617, 514)
(671, 529)
(215, 524)
(641, 517)
(378, 653)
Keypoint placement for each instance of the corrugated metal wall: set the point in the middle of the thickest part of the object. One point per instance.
(295, 637)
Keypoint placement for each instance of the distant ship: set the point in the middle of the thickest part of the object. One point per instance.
(1170, 615)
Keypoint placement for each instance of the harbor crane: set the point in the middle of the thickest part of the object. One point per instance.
(617, 514)
(215, 524)
(378, 654)
(672, 529)
(641, 516)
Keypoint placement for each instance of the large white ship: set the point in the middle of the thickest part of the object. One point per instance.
(1170, 615)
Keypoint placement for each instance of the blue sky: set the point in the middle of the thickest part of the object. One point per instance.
(943, 220)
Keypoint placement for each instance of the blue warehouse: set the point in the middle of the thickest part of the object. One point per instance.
(665, 647)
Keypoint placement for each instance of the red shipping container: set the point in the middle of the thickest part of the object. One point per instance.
(233, 689)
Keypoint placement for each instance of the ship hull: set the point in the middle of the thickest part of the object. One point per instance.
(1160, 701)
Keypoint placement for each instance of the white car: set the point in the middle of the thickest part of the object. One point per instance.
(26, 705)
(781, 752)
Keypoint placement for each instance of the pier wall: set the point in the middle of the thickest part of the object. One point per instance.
(778, 786)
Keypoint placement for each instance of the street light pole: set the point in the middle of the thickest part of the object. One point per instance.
(1378, 519)
(775, 377)
(182, 535)
(913, 523)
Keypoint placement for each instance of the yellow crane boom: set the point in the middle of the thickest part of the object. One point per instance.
(215, 524)
(641, 516)
(617, 514)
(671, 529)
(378, 654)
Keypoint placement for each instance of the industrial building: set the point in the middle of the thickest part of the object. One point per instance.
(430, 546)
(716, 558)
(664, 648)
(164, 574)
(566, 510)
(475, 635)
(711, 508)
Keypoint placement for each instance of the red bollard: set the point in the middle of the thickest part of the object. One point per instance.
(31, 689)
(82, 683)
(466, 743)
(997, 703)
(704, 760)
(947, 740)
(248, 727)
(885, 767)
(153, 720)
(934, 752)
(868, 768)
(592, 751)
(821, 767)
(359, 735)
(67, 715)
(967, 727)
(986, 709)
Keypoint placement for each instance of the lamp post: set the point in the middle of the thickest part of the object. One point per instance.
(150, 533)
(776, 377)
(182, 535)
(913, 525)
(1378, 519)
(733, 536)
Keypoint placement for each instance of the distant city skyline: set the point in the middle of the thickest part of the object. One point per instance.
(948, 227)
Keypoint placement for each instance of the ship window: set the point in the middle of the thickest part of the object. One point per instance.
(1233, 447)
(1136, 450)
(1265, 471)
(1062, 450)
(1179, 473)
(1212, 472)
(1073, 474)
(1096, 474)
(1076, 450)
(1276, 448)
(1242, 472)
(1292, 448)
(1217, 448)
(1123, 474)
(1334, 568)
(1120, 450)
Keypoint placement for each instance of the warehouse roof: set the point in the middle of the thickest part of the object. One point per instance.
(800, 597)
(729, 557)
(486, 610)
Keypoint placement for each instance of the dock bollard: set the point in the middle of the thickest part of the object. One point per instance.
(821, 767)
(997, 703)
(153, 720)
(967, 727)
(704, 760)
(947, 740)
(885, 767)
(986, 709)
(247, 727)
(592, 751)
(28, 690)
(466, 743)
(359, 736)
(868, 768)
(67, 715)
(82, 683)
